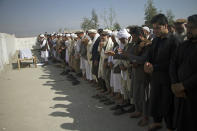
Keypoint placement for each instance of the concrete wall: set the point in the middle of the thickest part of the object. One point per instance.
(9, 44)
(23, 43)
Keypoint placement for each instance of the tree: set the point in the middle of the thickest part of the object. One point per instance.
(150, 11)
(94, 20)
(90, 23)
(108, 18)
(60, 30)
(86, 24)
(170, 16)
(117, 26)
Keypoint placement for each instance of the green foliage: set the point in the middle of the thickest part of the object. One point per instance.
(90, 23)
(150, 11)
(170, 16)
(117, 26)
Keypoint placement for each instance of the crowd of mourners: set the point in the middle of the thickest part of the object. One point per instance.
(147, 73)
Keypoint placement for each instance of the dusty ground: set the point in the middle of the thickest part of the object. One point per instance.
(39, 99)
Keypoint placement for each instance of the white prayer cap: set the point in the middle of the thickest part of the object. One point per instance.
(107, 32)
(73, 35)
(92, 31)
(123, 34)
(60, 34)
(146, 28)
(41, 35)
(67, 35)
(79, 31)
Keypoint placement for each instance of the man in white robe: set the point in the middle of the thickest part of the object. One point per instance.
(105, 45)
(44, 48)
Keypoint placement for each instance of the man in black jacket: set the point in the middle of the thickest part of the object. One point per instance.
(183, 72)
(161, 96)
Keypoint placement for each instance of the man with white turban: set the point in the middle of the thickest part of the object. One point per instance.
(93, 35)
(105, 45)
(44, 48)
(123, 64)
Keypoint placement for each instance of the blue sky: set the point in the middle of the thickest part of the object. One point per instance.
(31, 17)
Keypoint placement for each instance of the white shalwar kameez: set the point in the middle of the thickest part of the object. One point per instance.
(67, 44)
(45, 53)
(117, 78)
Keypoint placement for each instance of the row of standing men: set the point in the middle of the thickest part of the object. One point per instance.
(147, 74)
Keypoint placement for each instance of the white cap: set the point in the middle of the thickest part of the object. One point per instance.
(146, 28)
(106, 31)
(92, 31)
(79, 31)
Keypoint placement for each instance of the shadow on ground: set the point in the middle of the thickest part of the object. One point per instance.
(80, 110)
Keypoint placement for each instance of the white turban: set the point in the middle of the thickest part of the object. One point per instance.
(67, 35)
(146, 28)
(123, 34)
(73, 35)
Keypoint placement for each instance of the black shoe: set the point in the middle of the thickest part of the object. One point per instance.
(120, 111)
(63, 73)
(70, 76)
(79, 74)
(75, 82)
(115, 107)
(131, 109)
(110, 102)
(103, 100)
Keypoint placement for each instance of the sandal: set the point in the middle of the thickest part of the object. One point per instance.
(135, 115)
(154, 128)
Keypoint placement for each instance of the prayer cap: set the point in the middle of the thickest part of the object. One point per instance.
(92, 31)
(180, 21)
(79, 31)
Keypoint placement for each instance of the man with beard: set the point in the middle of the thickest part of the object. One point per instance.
(96, 56)
(44, 49)
(141, 46)
(93, 36)
(158, 60)
(180, 29)
(105, 45)
(183, 74)
(80, 49)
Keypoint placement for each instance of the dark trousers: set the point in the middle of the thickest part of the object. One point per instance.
(162, 99)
